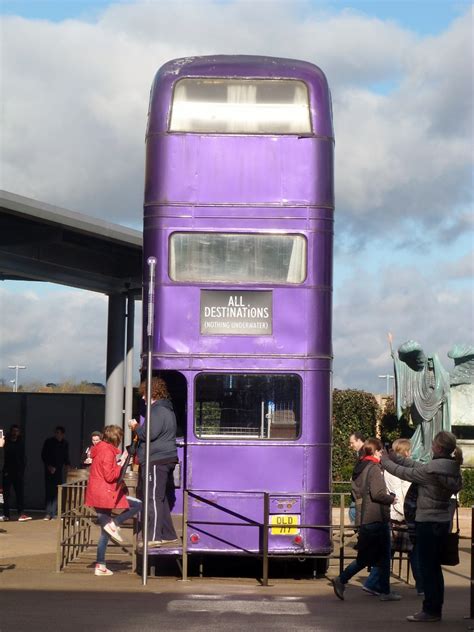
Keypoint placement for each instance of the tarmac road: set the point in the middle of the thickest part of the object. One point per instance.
(35, 598)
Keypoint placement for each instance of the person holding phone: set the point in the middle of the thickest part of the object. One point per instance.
(96, 436)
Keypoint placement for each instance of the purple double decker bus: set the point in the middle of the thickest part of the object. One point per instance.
(239, 204)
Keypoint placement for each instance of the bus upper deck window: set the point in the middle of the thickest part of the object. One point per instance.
(240, 106)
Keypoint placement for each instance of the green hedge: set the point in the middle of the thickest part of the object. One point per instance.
(352, 411)
(466, 495)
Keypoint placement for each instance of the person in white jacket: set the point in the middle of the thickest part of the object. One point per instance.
(395, 484)
(397, 512)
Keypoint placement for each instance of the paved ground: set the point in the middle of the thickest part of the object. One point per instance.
(34, 597)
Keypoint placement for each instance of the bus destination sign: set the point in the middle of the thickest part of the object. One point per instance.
(244, 313)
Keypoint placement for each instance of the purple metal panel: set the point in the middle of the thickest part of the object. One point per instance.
(284, 171)
(243, 509)
(246, 467)
(300, 325)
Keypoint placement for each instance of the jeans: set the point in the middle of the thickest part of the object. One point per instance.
(104, 516)
(379, 578)
(415, 564)
(429, 540)
(51, 482)
(352, 512)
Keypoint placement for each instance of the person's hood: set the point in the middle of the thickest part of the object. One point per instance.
(359, 468)
(447, 472)
(166, 403)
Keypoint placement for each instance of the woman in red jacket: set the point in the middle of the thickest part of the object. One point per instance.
(104, 495)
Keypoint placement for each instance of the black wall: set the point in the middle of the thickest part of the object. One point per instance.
(37, 414)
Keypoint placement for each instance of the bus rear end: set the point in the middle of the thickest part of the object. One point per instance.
(239, 214)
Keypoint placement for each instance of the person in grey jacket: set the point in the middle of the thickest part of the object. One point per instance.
(437, 481)
(163, 459)
(373, 515)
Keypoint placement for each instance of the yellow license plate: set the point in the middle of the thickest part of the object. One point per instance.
(284, 524)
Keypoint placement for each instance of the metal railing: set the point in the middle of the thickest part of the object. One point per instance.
(75, 521)
(265, 525)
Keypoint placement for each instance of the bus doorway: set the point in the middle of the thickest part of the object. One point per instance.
(178, 390)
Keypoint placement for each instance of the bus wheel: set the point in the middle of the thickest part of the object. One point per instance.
(321, 565)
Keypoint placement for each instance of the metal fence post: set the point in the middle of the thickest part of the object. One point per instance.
(341, 532)
(471, 614)
(266, 517)
(59, 533)
(185, 536)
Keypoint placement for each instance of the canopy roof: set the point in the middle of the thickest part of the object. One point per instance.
(41, 242)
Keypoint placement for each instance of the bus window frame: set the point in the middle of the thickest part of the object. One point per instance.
(243, 438)
(233, 282)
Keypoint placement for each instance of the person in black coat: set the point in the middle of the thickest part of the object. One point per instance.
(14, 473)
(55, 456)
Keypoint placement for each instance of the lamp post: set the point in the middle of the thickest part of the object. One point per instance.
(16, 367)
(388, 378)
(13, 383)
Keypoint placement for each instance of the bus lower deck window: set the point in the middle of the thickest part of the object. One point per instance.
(247, 406)
(237, 258)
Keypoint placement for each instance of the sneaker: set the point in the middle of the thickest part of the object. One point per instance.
(376, 593)
(339, 588)
(102, 571)
(47, 517)
(114, 532)
(173, 541)
(391, 596)
(423, 617)
(155, 543)
(4, 519)
(24, 518)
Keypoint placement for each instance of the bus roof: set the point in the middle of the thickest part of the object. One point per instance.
(240, 66)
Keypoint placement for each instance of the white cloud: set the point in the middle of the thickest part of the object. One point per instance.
(73, 121)
(400, 300)
(55, 335)
(76, 102)
(462, 268)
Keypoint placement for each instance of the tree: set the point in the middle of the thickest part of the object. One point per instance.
(393, 428)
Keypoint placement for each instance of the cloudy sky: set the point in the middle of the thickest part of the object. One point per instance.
(75, 78)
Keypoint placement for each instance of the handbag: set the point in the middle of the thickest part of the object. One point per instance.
(449, 553)
(370, 546)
